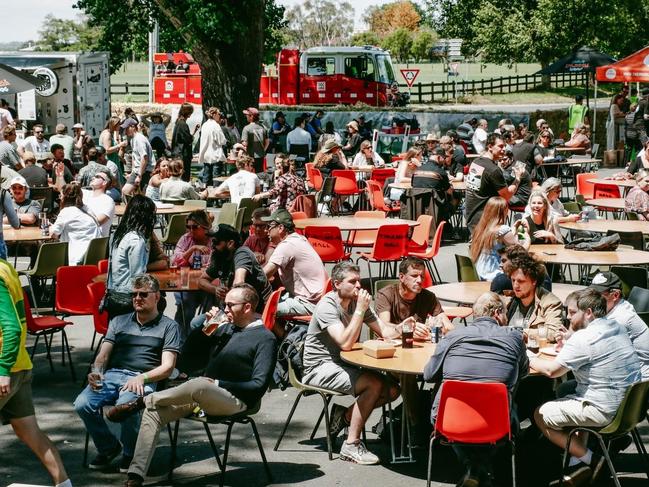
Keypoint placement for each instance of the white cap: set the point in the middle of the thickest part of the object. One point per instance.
(19, 180)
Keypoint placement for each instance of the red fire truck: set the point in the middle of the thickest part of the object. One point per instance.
(177, 78)
(330, 76)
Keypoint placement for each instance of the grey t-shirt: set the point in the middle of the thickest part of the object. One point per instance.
(604, 362)
(319, 347)
(254, 135)
(624, 313)
(28, 207)
(141, 147)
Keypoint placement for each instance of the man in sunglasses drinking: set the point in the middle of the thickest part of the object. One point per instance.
(138, 351)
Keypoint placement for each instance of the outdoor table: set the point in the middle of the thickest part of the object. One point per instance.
(457, 185)
(174, 210)
(580, 150)
(573, 164)
(351, 223)
(603, 226)
(469, 292)
(408, 361)
(624, 183)
(23, 234)
(614, 203)
(169, 279)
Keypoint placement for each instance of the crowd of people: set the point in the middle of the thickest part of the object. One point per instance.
(228, 371)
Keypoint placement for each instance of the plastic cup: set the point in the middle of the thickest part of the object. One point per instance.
(213, 323)
(184, 277)
(98, 372)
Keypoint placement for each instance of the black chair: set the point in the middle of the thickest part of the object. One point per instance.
(634, 239)
(301, 151)
(326, 195)
(639, 298)
(631, 276)
(44, 193)
(241, 418)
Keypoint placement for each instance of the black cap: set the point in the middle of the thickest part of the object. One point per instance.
(225, 233)
(579, 98)
(605, 281)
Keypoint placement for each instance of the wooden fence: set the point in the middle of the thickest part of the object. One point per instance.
(135, 90)
(450, 90)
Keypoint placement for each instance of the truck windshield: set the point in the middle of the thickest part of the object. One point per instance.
(386, 74)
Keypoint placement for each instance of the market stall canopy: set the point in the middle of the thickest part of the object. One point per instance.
(583, 59)
(15, 81)
(632, 69)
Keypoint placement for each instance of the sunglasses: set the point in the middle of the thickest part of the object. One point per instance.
(189, 226)
(141, 294)
(260, 225)
(98, 176)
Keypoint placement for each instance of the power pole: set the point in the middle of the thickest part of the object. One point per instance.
(154, 41)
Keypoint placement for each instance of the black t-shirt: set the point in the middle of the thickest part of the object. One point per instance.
(533, 228)
(524, 152)
(243, 258)
(354, 142)
(485, 180)
(35, 176)
(431, 176)
(458, 161)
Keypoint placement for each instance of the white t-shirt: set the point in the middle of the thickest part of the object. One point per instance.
(242, 184)
(141, 147)
(33, 145)
(479, 140)
(77, 228)
(100, 205)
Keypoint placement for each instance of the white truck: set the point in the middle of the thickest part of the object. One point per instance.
(77, 88)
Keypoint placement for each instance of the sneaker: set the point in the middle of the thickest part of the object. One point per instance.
(357, 453)
(576, 475)
(121, 412)
(103, 460)
(337, 422)
(124, 463)
(134, 480)
(468, 480)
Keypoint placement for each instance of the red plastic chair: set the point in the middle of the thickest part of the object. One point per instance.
(270, 310)
(100, 320)
(47, 326)
(72, 295)
(419, 240)
(299, 215)
(473, 413)
(364, 238)
(604, 191)
(345, 182)
(429, 254)
(103, 266)
(313, 177)
(380, 175)
(376, 200)
(327, 242)
(583, 185)
(389, 248)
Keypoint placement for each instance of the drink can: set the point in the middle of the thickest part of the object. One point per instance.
(436, 335)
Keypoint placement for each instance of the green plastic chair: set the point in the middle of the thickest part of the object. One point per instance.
(97, 250)
(238, 224)
(466, 271)
(572, 206)
(173, 231)
(199, 204)
(228, 214)
(631, 215)
(632, 411)
(51, 256)
(631, 276)
(248, 205)
(581, 201)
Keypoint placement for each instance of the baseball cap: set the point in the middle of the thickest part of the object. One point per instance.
(329, 145)
(353, 124)
(251, 111)
(129, 122)
(605, 281)
(19, 180)
(280, 216)
(77, 126)
(225, 233)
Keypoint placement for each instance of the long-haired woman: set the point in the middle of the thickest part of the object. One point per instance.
(541, 223)
(182, 140)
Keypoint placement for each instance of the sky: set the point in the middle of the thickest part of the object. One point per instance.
(23, 20)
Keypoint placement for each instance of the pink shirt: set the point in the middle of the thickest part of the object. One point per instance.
(185, 242)
(300, 268)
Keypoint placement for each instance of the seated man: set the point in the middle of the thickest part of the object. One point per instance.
(238, 360)
(486, 351)
(336, 326)
(242, 184)
(502, 283)
(601, 356)
(299, 266)
(258, 241)
(138, 351)
(620, 310)
(28, 210)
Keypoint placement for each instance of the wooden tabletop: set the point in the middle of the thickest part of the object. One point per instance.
(603, 226)
(573, 162)
(472, 156)
(348, 223)
(23, 234)
(557, 254)
(615, 203)
(626, 183)
(570, 149)
(168, 278)
(175, 209)
(405, 361)
(457, 185)
(469, 292)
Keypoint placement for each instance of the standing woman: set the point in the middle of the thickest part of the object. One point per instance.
(111, 141)
(75, 224)
(211, 153)
(129, 252)
(615, 123)
(183, 139)
(490, 236)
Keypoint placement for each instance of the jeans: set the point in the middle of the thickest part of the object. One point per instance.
(294, 305)
(3, 249)
(89, 403)
(211, 171)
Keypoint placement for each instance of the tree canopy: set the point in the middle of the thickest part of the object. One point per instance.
(320, 23)
(67, 35)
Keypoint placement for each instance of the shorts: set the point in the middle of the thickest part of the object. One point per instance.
(143, 183)
(18, 404)
(570, 412)
(334, 377)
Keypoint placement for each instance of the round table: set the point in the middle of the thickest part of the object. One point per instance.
(603, 226)
(457, 185)
(409, 361)
(570, 149)
(170, 280)
(624, 183)
(174, 210)
(614, 203)
(469, 292)
(557, 254)
(572, 162)
(351, 223)
(23, 234)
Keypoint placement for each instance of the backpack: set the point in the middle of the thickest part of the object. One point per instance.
(591, 244)
(291, 349)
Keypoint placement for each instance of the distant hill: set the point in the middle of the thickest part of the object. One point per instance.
(12, 46)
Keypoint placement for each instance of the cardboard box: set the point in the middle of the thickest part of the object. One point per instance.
(378, 349)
